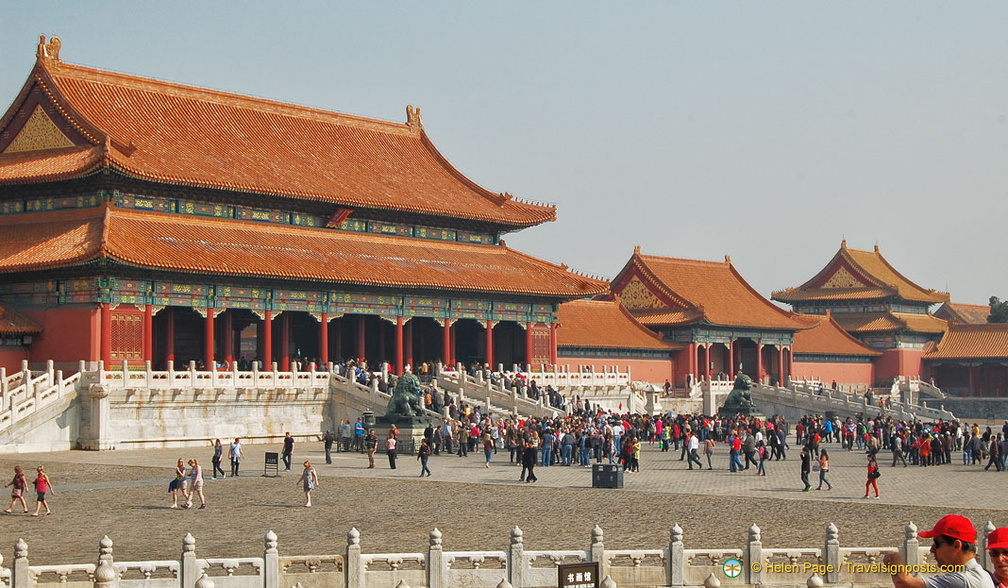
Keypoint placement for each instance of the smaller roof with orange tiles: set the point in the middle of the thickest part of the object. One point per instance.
(859, 275)
(883, 322)
(218, 247)
(827, 337)
(964, 314)
(604, 324)
(964, 342)
(666, 291)
(69, 121)
(12, 323)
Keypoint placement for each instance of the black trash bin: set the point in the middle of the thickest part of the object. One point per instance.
(607, 475)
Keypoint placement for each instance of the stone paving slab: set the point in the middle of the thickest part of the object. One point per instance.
(122, 494)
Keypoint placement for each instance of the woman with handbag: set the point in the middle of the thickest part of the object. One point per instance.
(178, 483)
(823, 469)
(873, 475)
(18, 487)
(42, 487)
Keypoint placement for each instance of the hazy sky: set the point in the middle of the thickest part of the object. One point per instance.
(765, 131)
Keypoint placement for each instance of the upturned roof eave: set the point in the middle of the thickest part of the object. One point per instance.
(523, 215)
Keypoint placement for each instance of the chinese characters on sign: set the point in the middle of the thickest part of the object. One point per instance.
(579, 575)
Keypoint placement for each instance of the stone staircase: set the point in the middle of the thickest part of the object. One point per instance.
(38, 410)
(794, 403)
(495, 399)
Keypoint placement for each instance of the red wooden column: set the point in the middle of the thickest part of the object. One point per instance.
(106, 334)
(208, 340)
(553, 343)
(732, 364)
(759, 363)
(267, 341)
(228, 338)
(170, 336)
(285, 342)
(399, 345)
(528, 343)
(148, 334)
(324, 340)
(409, 344)
(446, 343)
(780, 365)
(489, 344)
(360, 338)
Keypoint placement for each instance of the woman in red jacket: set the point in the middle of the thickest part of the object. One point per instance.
(873, 476)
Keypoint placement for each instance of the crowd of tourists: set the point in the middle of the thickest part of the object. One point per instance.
(909, 443)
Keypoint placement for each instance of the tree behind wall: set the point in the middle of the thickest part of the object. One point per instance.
(999, 310)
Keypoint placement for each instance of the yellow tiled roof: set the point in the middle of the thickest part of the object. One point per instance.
(878, 322)
(969, 314)
(858, 275)
(827, 337)
(704, 291)
(983, 341)
(184, 135)
(218, 247)
(606, 324)
(12, 323)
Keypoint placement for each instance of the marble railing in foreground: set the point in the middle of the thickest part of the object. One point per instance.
(669, 565)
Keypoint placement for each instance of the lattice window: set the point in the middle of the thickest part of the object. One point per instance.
(127, 336)
(540, 345)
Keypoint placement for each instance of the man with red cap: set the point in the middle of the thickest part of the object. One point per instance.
(997, 554)
(953, 545)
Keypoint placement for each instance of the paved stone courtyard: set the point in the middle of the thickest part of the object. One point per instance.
(123, 494)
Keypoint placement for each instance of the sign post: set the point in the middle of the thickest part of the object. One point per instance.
(578, 575)
(272, 462)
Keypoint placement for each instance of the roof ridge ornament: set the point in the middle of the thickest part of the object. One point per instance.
(413, 117)
(49, 52)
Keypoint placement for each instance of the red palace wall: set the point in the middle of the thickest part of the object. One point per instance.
(72, 334)
(846, 375)
(69, 334)
(898, 362)
(11, 357)
(655, 371)
(681, 358)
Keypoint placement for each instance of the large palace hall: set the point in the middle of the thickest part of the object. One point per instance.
(147, 221)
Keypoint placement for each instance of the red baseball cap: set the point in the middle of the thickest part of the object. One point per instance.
(953, 525)
(998, 538)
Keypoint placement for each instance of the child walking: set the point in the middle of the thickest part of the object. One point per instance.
(309, 479)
